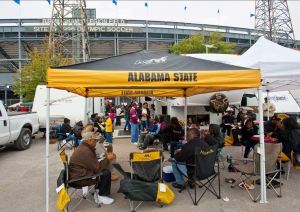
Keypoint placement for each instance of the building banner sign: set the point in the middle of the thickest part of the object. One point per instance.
(94, 25)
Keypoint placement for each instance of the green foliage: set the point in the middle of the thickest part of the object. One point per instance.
(196, 44)
(34, 73)
(193, 44)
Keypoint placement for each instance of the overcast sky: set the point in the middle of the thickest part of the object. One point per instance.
(231, 13)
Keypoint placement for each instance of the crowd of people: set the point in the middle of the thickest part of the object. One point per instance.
(94, 153)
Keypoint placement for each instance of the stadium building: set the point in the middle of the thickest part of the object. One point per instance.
(107, 37)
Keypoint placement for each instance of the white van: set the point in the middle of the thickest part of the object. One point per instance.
(64, 104)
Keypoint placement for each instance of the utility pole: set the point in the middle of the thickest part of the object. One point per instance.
(273, 18)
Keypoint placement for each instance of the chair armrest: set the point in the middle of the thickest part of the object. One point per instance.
(84, 178)
(243, 159)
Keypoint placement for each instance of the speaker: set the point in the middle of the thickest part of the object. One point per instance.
(207, 108)
(148, 99)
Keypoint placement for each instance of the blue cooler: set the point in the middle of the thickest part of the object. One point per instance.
(168, 175)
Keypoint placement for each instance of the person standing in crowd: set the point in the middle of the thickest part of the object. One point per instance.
(250, 114)
(189, 122)
(248, 131)
(118, 116)
(152, 111)
(269, 109)
(108, 129)
(145, 117)
(227, 122)
(139, 111)
(112, 114)
(175, 132)
(127, 118)
(237, 129)
(134, 122)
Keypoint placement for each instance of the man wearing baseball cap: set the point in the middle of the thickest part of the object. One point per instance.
(84, 162)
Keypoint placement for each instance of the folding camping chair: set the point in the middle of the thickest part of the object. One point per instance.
(60, 138)
(70, 184)
(145, 168)
(204, 173)
(250, 171)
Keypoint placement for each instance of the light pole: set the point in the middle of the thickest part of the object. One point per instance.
(209, 46)
(5, 94)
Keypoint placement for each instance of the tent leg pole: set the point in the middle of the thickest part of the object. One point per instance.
(268, 105)
(85, 110)
(185, 115)
(262, 149)
(47, 148)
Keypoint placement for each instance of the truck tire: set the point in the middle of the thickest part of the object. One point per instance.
(24, 140)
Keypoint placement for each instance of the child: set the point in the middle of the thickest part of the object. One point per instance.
(108, 129)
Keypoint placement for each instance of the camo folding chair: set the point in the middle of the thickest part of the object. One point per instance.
(250, 170)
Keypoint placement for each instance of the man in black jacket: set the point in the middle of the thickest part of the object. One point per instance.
(186, 156)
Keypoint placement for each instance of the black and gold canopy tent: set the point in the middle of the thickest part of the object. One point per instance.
(151, 74)
(147, 73)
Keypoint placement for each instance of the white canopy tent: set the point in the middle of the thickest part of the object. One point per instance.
(280, 66)
(280, 70)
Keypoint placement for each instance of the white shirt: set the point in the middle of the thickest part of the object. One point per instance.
(272, 109)
(118, 111)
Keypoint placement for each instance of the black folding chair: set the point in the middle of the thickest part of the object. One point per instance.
(61, 137)
(204, 174)
(146, 169)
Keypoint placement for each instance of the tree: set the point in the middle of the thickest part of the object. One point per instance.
(34, 73)
(196, 44)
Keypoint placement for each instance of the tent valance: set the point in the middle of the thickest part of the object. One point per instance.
(151, 74)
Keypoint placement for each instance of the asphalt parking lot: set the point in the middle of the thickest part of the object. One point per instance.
(22, 185)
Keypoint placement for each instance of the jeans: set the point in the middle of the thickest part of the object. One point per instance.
(173, 146)
(70, 137)
(108, 137)
(178, 177)
(227, 128)
(118, 121)
(127, 125)
(144, 124)
(134, 133)
(248, 146)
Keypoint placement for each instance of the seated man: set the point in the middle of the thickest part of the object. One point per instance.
(66, 130)
(84, 162)
(147, 137)
(186, 155)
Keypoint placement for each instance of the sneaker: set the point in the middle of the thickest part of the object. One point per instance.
(63, 142)
(105, 200)
(134, 143)
(96, 198)
(176, 185)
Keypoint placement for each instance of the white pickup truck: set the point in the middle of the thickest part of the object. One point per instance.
(17, 128)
